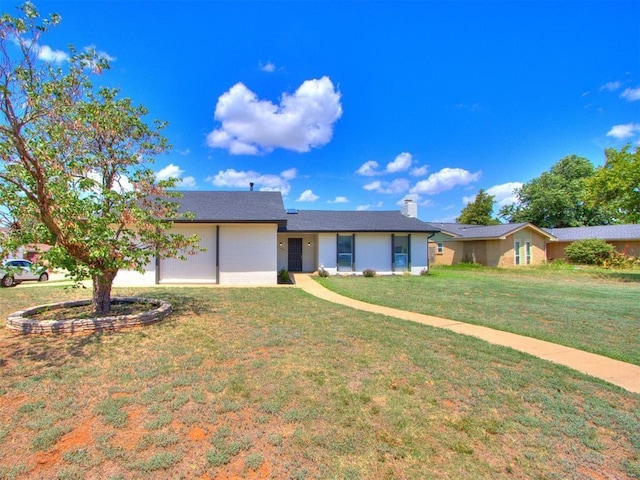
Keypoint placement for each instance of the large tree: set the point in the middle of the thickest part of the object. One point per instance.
(479, 211)
(616, 185)
(74, 163)
(556, 198)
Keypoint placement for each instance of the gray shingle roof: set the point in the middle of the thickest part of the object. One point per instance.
(253, 207)
(354, 221)
(468, 232)
(604, 232)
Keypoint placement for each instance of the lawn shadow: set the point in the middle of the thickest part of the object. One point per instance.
(48, 350)
(626, 277)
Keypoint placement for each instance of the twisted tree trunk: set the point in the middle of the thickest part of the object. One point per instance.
(102, 284)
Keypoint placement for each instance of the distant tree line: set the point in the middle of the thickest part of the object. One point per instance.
(573, 193)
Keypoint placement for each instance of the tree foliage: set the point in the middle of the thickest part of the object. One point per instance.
(557, 198)
(616, 185)
(479, 212)
(74, 163)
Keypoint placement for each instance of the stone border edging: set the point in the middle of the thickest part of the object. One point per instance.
(20, 320)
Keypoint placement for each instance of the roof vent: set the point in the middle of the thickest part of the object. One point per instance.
(251, 186)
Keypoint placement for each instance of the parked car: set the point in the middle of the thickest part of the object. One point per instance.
(15, 271)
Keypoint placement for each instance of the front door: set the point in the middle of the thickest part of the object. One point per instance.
(295, 255)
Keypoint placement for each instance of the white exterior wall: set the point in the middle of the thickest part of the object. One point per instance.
(373, 250)
(198, 268)
(419, 253)
(327, 252)
(126, 278)
(248, 254)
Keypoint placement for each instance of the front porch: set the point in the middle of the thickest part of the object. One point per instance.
(297, 252)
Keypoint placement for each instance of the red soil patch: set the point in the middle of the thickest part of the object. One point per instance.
(78, 437)
(197, 434)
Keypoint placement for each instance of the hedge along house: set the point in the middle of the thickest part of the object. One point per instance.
(349, 242)
(248, 236)
(625, 238)
(512, 244)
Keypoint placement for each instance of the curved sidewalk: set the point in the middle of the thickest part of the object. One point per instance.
(619, 373)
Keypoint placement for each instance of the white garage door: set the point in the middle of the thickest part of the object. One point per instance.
(199, 268)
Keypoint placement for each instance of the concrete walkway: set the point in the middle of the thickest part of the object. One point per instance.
(616, 372)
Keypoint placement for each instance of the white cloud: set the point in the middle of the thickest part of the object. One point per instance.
(419, 171)
(268, 67)
(289, 174)
(308, 196)
(504, 193)
(47, 54)
(444, 180)
(170, 171)
(401, 163)
(416, 198)
(174, 171)
(362, 208)
(121, 182)
(300, 122)
(399, 185)
(187, 182)
(231, 178)
(368, 169)
(611, 86)
(631, 94)
(624, 131)
(373, 186)
(339, 199)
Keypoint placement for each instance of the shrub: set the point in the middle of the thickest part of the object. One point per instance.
(368, 272)
(620, 260)
(323, 273)
(283, 276)
(592, 251)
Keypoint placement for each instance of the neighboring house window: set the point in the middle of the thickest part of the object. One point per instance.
(516, 247)
(440, 248)
(401, 255)
(345, 253)
(527, 248)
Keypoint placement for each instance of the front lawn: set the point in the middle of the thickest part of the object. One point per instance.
(590, 309)
(271, 383)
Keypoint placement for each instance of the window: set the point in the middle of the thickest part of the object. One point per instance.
(440, 248)
(522, 252)
(345, 253)
(400, 253)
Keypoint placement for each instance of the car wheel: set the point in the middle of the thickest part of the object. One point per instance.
(43, 277)
(7, 281)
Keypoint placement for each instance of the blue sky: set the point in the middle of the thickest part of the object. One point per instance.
(357, 105)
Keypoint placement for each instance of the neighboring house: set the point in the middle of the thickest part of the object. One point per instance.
(28, 252)
(512, 244)
(625, 238)
(248, 237)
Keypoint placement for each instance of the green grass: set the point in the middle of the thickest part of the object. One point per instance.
(590, 309)
(240, 382)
